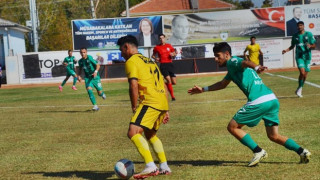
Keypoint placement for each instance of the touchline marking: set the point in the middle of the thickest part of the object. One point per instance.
(294, 79)
(128, 105)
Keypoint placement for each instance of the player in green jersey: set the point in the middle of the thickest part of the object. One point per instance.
(69, 62)
(304, 41)
(91, 76)
(262, 103)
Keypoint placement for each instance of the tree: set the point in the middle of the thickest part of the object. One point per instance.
(247, 4)
(267, 3)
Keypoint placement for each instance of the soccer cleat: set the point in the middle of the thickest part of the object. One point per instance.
(305, 156)
(173, 99)
(95, 108)
(165, 171)
(60, 88)
(104, 96)
(147, 172)
(74, 88)
(257, 157)
(299, 92)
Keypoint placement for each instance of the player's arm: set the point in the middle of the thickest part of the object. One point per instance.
(214, 87)
(291, 47)
(260, 52)
(167, 116)
(96, 71)
(154, 55)
(134, 93)
(252, 65)
(245, 55)
(79, 73)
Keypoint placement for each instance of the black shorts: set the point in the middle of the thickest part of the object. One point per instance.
(167, 69)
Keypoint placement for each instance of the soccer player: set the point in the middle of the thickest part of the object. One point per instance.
(304, 41)
(254, 51)
(92, 78)
(262, 104)
(146, 84)
(164, 53)
(69, 62)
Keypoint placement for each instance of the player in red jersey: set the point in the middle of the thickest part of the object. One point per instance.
(164, 53)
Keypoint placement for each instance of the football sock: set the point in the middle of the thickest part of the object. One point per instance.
(164, 165)
(101, 94)
(248, 141)
(63, 82)
(301, 82)
(170, 88)
(257, 149)
(292, 145)
(75, 80)
(143, 148)
(158, 148)
(91, 96)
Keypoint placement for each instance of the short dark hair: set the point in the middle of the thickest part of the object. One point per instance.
(69, 50)
(222, 47)
(300, 22)
(83, 48)
(162, 35)
(253, 37)
(128, 39)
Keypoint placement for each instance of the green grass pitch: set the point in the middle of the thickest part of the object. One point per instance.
(48, 134)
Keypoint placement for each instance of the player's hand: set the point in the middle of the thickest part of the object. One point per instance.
(166, 118)
(94, 74)
(195, 90)
(284, 51)
(308, 45)
(134, 109)
(261, 69)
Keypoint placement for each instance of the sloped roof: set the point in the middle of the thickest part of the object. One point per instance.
(176, 6)
(6, 23)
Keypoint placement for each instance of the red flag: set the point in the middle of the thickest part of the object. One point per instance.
(271, 16)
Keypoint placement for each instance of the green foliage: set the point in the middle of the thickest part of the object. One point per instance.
(247, 4)
(267, 3)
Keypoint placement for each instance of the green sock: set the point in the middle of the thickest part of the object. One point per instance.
(248, 141)
(301, 83)
(75, 80)
(63, 82)
(291, 145)
(91, 96)
(101, 94)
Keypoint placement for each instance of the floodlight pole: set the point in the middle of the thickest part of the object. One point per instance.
(92, 10)
(127, 8)
(34, 20)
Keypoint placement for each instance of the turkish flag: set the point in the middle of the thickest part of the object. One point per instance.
(271, 16)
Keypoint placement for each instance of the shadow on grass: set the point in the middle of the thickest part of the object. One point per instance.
(85, 111)
(219, 163)
(91, 175)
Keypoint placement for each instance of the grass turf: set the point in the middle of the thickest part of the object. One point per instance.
(48, 134)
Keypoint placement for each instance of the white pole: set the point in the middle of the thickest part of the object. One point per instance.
(92, 10)
(34, 21)
(127, 8)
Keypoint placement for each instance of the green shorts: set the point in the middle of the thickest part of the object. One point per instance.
(93, 83)
(303, 63)
(70, 72)
(251, 115)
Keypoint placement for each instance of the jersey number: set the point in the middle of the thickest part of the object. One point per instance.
(156, 76)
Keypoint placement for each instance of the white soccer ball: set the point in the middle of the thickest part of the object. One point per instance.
(124, 169)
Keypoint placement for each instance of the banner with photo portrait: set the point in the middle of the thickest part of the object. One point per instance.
(97, 34)
(309, 14)
(237, 25)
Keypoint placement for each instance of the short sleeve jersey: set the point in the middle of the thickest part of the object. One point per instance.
(70, 61)
(88, 65)
(150, 81)
(300, 41)
(246, 79)
(163, 52)
(254, 53)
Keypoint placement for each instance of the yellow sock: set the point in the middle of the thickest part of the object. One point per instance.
(143, 148)
(158, 148)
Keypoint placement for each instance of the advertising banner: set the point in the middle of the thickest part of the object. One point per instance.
(224, 26)
(97, 34)
(309, 14)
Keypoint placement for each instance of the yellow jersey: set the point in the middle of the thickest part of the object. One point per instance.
(150, 81)
(254, 53)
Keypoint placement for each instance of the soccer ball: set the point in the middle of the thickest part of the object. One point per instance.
(124, 168)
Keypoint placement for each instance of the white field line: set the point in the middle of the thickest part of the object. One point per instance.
(128, 104)
(295, 79)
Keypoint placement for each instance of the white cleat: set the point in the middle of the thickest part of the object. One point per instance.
(95, 108)
(165, 171)
(104, 96)
(147, 172)
(305, 156)
(257, 157)
(299, 92)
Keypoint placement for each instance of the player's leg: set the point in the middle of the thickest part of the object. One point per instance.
(63, 83)
(97, 84)
(271, 120)
(166, 75)
(174, 80)
(142, 120)
(75, 78)
(89, 86)
(157, 145)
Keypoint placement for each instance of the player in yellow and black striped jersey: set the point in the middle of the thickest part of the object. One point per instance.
(146, 83)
